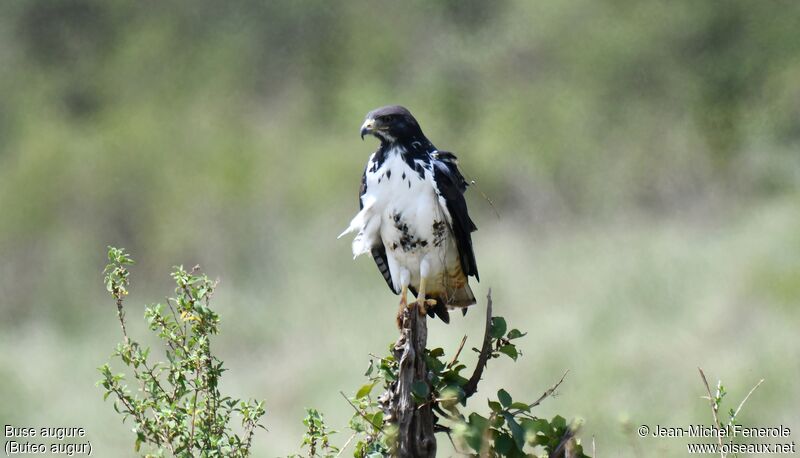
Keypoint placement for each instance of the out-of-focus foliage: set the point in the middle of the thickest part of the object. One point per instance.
(643, 157)
(114, 112)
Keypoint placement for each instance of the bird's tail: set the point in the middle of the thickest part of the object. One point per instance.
(461, 298)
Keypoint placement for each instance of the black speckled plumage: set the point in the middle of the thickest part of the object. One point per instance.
(401, 134)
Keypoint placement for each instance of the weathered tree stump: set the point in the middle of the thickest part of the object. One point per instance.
(415, 434)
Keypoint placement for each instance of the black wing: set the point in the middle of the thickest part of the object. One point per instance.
(378, 251)
(451, 185)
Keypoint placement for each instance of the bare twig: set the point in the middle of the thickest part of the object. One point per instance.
(458, 352)
(359, 412)
(346, 444)
(455, 447)
(710, 397)
(172, 309)
(438, 409)
(549, 392)
(714, 409)
(475, 183)
(741, 404)
(486, 350)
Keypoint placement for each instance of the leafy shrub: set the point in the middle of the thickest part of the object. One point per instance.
(178, 407)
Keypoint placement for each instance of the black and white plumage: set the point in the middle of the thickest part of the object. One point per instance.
(413, 218)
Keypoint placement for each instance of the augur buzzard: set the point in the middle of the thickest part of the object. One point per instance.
(413, 217)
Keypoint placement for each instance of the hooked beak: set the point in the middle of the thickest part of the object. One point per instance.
(367, 127)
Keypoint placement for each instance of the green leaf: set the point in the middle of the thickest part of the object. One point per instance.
(504, 398)
(538, 425)
(503, 444)
(420, 389)
(437, 352)
(516, 431)
(520, 406)
(478, 421)
(509, 350)
(515, 334)
(377, 419)
(498, 327)
(476, 427)
(365, 390)
(495, 406)
(497, 421)
(558, 422)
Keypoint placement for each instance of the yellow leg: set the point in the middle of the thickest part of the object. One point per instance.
(403, 305)
(421, 301)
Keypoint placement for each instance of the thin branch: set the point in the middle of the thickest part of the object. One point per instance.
(359, 412)
(714, 408)
(486, 350)
(194, 409)
(121, 316)
(458, 352)
(438, 409)
(564, 448)
(741, 404)
(455, 447)
(172, 309)
(249, 430)
(151, 371)
(549, 392)
(710, 397)
(346, 444)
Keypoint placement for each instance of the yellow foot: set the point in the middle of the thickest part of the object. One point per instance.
(423, 304)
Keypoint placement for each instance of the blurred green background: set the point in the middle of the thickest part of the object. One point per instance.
(644, 159)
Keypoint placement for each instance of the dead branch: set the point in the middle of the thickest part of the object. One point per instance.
(486, 351)
(415, 424)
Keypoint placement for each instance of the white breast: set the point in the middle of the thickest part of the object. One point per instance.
(402, 210)
(414, 227)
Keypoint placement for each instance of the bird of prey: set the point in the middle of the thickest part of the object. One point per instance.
(413, 218)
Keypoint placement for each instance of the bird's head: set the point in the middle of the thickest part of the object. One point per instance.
(390, 124)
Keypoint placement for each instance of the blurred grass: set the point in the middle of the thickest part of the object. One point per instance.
(642, 156)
